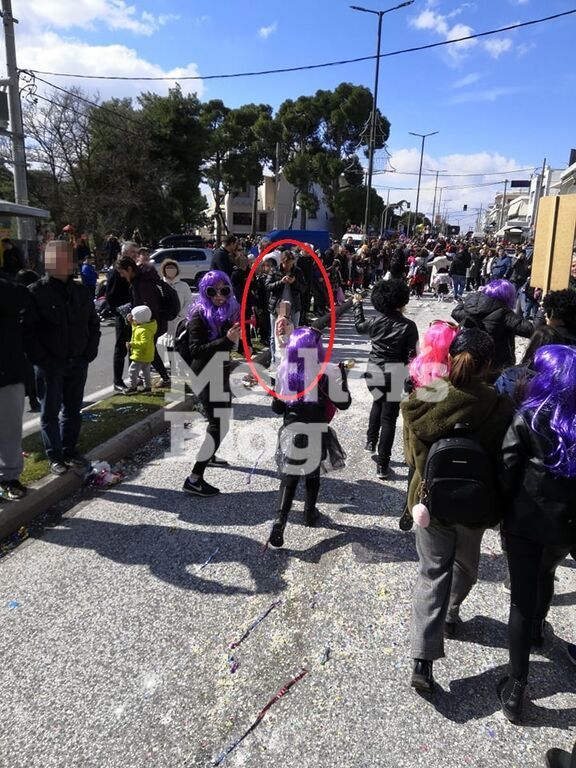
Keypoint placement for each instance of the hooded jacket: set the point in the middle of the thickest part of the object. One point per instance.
(493, 316)
(541, 506)
(143, 331)
(478, 405)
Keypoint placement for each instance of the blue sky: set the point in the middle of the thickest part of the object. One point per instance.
(499, 103)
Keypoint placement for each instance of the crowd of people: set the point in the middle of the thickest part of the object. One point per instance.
(488, 440)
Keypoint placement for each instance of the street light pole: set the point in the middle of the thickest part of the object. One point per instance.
(435, 193)
(423, 136)
(372, 138)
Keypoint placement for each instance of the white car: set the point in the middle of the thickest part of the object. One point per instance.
(193, 262)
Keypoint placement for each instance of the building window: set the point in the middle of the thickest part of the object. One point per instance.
(263, 222)
(240, 219)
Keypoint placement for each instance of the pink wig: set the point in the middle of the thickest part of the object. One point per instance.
(433, 360)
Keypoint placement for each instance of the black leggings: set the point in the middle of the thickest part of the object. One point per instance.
(218, 415)
(382, 426)
(532, 567)
(288, 487)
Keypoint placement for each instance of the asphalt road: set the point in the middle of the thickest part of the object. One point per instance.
(118, 621)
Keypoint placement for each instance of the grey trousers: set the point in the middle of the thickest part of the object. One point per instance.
(448, 569)
(11, 412)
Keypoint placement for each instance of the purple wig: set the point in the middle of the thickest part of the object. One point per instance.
(303, 356)
(502, 290)
(215, 317)
(550, 403)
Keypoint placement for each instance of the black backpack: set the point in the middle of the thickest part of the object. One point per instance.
(169, 301)
(181, 341)
(459, 482)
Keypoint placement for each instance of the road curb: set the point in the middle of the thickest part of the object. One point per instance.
(51, 490)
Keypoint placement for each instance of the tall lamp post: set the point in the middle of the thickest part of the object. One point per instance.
(372, 139)
(423, 136)
(435, 194)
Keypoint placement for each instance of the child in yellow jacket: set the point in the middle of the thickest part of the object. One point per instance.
(141, 347)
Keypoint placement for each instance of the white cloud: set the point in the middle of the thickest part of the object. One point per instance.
(51, 52)
(488, 95)
(457, 190)
(430, 19)
(87, 14)
(265, 32)
(498, 46)
(470, 79)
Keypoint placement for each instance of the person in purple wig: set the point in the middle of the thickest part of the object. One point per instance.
(539, 477)
(212, 327)
(492, 310)
(303, 438)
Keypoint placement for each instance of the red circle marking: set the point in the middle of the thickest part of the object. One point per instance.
(262, 255)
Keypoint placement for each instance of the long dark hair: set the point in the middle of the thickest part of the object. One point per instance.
(471, 353)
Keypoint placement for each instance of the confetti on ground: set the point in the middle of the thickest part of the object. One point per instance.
(207, 562)
(254, 624)
(249, 478)
(491, 732)
(12, 604)
(325, 658)
(233, 663)
(281, 693)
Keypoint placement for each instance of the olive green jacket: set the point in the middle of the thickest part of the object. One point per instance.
(479, 405)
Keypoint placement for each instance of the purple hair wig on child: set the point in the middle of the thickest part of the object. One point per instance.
(502, 290)
(214, 316)
(550, 404)
(433, 360)
(304, 355)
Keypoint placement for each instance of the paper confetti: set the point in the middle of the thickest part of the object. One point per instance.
(325, 658)
(12, 604)
(207, 562)
(249, 478)
(281, 693)
(254, 624)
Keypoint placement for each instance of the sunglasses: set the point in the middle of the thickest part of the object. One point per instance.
(224, 291)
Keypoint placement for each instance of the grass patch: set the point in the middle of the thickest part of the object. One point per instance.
(100, 422)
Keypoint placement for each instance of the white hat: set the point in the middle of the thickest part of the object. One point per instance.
(141, 314)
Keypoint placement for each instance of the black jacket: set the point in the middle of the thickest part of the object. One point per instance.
(117, 290)
(202, 350)
(60, 322)
(541, 507)
(394, 337)
(145, 290)
(275, 288)
(222, 260)
(502, 324)
(13, 300)
(460, 263)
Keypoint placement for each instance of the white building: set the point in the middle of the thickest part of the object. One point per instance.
(274, 208)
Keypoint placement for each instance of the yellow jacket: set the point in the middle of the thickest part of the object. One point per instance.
(142, 341)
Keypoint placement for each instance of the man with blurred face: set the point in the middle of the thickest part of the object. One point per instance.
(61, 336)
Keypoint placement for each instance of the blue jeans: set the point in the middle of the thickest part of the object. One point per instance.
(60, 385)
(459, 283)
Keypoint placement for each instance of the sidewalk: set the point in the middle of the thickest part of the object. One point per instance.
(116, 625)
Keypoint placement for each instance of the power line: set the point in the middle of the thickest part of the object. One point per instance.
(174, 78)
(490, 173)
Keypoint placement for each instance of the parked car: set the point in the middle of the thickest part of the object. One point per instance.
(181, 241)
(193, 262)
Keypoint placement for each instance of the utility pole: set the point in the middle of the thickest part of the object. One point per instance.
(384, 217)
(435, 193)
(501, 222)
(372, 139)
(423, 136)
(16, 127)
(539, 195)
(277, 188)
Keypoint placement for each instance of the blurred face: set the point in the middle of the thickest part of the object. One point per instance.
(288, 263)
(143, 256)
(59, 259)
(170, 272)
(131, 251)
(573, 267)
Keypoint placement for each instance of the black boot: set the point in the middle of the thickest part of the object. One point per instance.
(511, 695)
(277, 533)
(311, 516)
(422, 678)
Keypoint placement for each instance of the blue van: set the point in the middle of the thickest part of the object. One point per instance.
(319, 238)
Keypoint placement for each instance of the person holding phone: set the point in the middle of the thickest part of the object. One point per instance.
(213, 332)
(285, 284)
